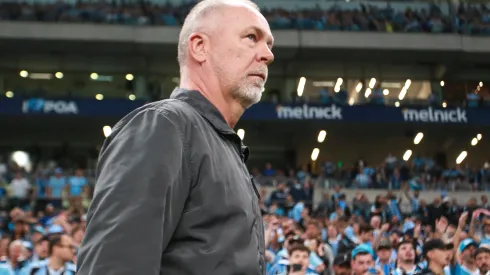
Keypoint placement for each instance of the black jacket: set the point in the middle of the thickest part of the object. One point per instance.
(173, 196)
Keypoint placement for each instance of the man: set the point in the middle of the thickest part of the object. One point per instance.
(383, 252)
(341, 265)
(61, 253)
(466, 264)
(173, 194)
(482, 260)
(362, 259)
(435, 251)
(298, 256)
(406, 259)
(56, 184)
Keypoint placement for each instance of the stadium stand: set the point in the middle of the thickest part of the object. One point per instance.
(336, 213)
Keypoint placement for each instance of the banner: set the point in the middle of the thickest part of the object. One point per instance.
(262, 111)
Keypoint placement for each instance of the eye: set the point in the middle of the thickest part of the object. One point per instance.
(252, 37)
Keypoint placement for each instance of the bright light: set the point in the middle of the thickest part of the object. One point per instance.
(474, 141)
(301, 86)
(407, 155)
(21, 158)
(131, 97)
(129, 77)
(99, 96)
(408, 83)
(58, 75)
(23, 74)
(321, 136)
(402, 94)
(94, 76)
(314, 154)
(336, 89)
(461, 157)
(352, 101)
(368, 92)
(397, 104)
(386, 92)
(418, 138)
(444, 104)
(241, 133)
(479, 136)
(339, 81)
(359, 87)
(372, 82)
(9, 94)
(107, 130)
(480, 84)
(442, 83)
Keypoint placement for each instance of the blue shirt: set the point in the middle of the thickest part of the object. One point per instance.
(41, 185)
(57, 185)
(41, 268)
(76, 185)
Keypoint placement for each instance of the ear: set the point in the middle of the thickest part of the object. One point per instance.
(198, 45)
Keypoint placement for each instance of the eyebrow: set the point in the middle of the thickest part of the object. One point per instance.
(262, 33)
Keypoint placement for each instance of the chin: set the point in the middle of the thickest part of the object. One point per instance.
(249, 96)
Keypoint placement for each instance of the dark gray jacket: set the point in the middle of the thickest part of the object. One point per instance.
(173, 196)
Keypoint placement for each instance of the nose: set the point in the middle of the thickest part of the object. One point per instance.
(266, 54)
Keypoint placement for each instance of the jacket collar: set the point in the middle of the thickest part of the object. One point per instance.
(207, 110)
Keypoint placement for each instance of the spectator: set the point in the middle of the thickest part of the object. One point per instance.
(19, 188)
(61, 254)
(56, 185)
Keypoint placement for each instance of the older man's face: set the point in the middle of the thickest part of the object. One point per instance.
(240, 53)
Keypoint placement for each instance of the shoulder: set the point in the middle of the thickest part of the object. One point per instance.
(71, 267)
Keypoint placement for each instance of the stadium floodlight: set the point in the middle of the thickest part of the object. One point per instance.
(442, 83)
(107, 130)
(99, 96)
(94, 76)
(397, 104)
(58, 75)
(408, 83)
(21, 158)
(241, 133)
(9, 94)
(479, 136)
(315, 154)
(461, 157)
(480, 84)
(24, 74)
(367, 93)
(474, 141)
(418, 138)
(372, 82)
(403, 93)
(444, 104)
(131, 97)
(321, 136)
(386, 92)
(301, 86)
(359, 87)
(407, 155)
(129, 77)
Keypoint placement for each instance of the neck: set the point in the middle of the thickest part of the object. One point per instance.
(55, 263)
(387, 261)
(230, 109)
(470, 266)
(406, 266)
(435, 268)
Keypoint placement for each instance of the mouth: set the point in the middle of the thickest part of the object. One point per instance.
(261, 75)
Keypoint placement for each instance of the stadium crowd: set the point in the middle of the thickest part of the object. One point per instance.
(43, 220)
(465, 18)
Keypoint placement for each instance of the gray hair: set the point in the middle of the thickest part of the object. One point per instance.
(192, 22)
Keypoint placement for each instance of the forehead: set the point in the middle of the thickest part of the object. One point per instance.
(242, 16)
(363, 258)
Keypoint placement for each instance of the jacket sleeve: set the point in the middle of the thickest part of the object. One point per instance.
(141, 188)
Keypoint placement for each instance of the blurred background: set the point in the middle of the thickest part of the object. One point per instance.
(374, 95)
